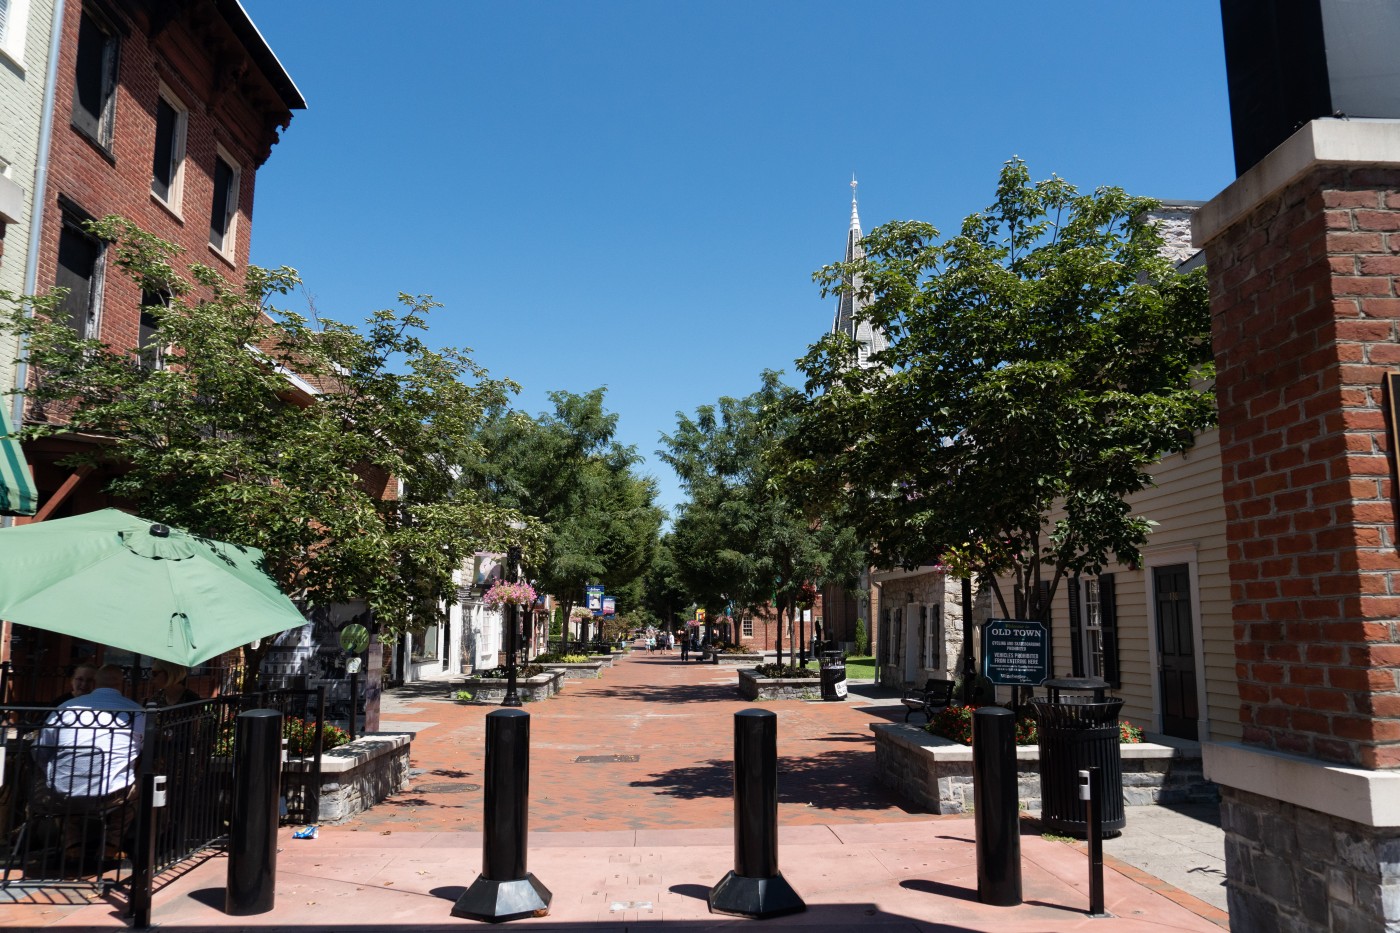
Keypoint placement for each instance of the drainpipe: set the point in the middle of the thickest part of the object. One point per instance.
(36, 209)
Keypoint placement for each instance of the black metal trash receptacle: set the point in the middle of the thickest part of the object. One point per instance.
(833, 671)
(1076, 733)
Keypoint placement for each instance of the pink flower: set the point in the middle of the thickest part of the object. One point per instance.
(509, 594)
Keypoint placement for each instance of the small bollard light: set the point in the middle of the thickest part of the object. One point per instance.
(1091, 792)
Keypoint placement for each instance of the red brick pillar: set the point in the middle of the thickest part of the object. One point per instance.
(1303, 254)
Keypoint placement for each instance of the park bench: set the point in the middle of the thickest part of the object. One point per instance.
(935, 695)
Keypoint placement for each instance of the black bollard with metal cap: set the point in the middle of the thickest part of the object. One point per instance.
(755, 888)
(252, 846)
(505, 890)
(998, 806)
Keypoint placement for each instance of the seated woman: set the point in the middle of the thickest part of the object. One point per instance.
(168, 684)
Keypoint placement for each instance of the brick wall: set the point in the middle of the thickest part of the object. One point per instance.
(1305, 305)
(224, 109)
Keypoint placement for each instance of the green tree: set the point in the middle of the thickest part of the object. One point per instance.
(260, 427)
(564, 468)
(740, 538)
(1044, 356)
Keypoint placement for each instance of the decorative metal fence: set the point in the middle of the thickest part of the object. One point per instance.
(97, 799)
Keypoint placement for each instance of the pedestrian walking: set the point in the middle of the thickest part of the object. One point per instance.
(670, 642)
(685, 648)
(651, 644)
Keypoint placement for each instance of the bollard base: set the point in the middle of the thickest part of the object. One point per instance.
(499, 901)
(755, 898)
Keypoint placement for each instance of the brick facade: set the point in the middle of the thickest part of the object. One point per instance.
(230, 104)
(1305, 305)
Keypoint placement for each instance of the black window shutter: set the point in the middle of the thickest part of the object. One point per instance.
(1043, 597)
(1076, 631)
(1108, 618)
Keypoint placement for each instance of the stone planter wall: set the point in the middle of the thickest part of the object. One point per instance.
(607, 660)
(493, 689)
(754, 687)
(356, 776)
(734, 658)
(584, 670)
(936, 774)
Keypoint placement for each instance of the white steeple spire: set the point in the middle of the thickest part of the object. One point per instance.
(871, 339)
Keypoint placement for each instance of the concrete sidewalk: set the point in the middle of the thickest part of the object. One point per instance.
(630, 816)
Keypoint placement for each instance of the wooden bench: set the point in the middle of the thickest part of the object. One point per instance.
(936, 694)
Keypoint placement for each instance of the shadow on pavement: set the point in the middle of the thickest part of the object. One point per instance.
(675, 693)
(835, 780)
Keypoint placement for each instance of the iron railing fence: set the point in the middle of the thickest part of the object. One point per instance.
(66, 822)
(68, 781)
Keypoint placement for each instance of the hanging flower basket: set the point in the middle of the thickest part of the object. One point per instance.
(509, 594)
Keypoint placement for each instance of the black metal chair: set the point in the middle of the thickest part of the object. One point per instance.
(65, 835)
(936, 694)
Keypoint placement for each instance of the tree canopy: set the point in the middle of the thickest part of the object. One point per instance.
(334, 448)
(741, 538)
(1044, 356)
(565, 468)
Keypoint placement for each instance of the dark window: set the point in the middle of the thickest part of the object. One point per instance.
(225, 204)
(167, 145)
(148, 342)
(95, 82)
(79, 257)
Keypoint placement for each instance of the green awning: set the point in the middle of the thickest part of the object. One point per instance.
(17, 493)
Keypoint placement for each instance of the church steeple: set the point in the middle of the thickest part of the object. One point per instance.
(870, 339)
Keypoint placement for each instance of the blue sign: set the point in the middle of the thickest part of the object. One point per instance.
(594, 598)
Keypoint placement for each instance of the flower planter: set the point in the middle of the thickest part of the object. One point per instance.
(493, 689)
(607, 660)
(734, 658)
(584, 670)
(360, 774)
(935, 774)
(752, 686)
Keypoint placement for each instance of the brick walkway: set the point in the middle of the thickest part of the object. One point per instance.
(676, 718)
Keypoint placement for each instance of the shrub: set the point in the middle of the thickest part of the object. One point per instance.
(786, 670)
(955, 722)
(522, 671)
(464, 696)
(862, 638)
(553, 658)
(300, 736)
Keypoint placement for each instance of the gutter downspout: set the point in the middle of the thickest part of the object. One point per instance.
(36, 210)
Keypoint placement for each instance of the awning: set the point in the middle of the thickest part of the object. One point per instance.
(18, 496)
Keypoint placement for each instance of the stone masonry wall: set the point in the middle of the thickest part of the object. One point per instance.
(1296, 869)
(1305, 306)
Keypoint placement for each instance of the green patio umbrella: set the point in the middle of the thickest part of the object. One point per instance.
(126, 582)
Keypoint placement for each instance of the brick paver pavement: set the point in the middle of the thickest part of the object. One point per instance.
(676, 718)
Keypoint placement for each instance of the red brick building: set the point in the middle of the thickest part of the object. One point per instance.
(162, 113)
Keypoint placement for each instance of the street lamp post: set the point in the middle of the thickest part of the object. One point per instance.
(512, 622)
(969, 634)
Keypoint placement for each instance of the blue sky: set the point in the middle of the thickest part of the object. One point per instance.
(635, 194)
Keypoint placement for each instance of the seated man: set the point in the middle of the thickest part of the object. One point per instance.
(88, 749)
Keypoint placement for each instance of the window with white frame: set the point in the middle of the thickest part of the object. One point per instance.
(168, 154)
(223, 211)
(95, 80)
(14, 16)
(1093, 629)
(746, 626)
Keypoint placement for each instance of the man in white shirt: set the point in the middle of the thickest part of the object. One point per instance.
(88, 750)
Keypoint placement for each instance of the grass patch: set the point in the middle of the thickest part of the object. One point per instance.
(858, 667)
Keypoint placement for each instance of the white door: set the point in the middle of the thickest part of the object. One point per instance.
(912, 644)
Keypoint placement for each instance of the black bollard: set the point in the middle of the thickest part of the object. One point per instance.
(505, 890)
(997, 804)
(755, 888)
(252, 846)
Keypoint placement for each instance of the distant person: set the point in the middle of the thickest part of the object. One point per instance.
(168, 686)
(82, 683)
(670, 642)
(88, 749)
(685, 648)
(651, 644)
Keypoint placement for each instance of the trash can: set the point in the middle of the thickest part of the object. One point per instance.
(1076, 733)
(833, 670)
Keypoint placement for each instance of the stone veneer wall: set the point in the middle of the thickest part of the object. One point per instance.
(936, 773)
(1292, 868)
